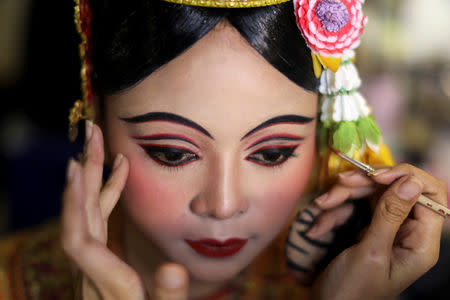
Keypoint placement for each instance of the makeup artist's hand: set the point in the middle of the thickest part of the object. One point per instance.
(401, 243)
(86, 209)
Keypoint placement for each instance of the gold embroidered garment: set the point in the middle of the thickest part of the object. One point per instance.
(33, 267)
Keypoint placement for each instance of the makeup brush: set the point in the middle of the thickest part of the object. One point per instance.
(424, 200)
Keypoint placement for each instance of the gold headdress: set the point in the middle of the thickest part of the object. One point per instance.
(228, 3)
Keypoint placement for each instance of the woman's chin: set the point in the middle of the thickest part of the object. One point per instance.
(214, 273)
(209, 266)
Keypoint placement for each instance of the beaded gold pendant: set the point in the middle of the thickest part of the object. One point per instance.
(83, 109)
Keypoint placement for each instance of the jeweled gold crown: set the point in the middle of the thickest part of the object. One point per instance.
(228, 3)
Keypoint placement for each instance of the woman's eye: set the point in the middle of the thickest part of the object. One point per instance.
(272, 156)
(170, 156)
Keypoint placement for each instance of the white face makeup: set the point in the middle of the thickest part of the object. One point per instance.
(220, 146)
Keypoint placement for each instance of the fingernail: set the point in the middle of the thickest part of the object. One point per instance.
(347, 174)
(170, 277)
(70, 169)
(322, 199)
(117, 161)
(377, 172)
(89, 126)
(409, 189)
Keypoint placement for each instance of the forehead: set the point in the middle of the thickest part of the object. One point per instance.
(220, 75)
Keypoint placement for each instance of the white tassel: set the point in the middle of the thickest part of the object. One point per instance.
(341, 101)
(326, 108)
(346, 78)
(350, 111)
(345, 107)
(364, 109)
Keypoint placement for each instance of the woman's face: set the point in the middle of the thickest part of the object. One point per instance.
(220, 146)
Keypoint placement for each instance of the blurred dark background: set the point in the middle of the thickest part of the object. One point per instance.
(404, 61)
(39, 81)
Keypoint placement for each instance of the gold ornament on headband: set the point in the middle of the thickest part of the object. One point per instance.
(228, 3)
(83, 109)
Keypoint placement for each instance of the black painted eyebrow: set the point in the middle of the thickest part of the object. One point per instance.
(165, 116)
(295, 119)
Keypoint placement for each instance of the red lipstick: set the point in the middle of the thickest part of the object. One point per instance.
(215, 248)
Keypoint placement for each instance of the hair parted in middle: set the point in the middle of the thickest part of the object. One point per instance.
(132, 41)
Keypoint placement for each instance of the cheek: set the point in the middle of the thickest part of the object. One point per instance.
(152, 200)
(281, 195)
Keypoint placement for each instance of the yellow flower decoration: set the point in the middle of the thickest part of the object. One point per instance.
(331, 164)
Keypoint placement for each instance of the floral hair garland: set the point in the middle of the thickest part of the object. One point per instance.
(332, 30)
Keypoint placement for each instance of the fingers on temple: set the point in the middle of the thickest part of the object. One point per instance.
(96, 261)
(113, 187)
(93, 163)
(91, 256)
(171, 282)
(74, 225)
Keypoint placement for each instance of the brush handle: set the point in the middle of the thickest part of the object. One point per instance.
(428, 203)
(424, 200)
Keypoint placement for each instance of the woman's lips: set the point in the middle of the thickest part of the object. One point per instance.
(215, 248)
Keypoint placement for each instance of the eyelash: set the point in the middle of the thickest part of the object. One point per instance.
(283, 152)
(157, 152)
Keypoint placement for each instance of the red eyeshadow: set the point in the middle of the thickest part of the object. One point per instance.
(286, 136)
(165, 136)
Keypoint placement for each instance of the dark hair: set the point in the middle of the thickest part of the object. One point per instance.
(131, 41)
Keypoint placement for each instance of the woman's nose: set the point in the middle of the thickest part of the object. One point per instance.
(222, 196)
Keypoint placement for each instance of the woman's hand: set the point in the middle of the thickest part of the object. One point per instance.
(401, 243)
(86, 209)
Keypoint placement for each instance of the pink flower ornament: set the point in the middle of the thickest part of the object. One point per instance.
(331, 28)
